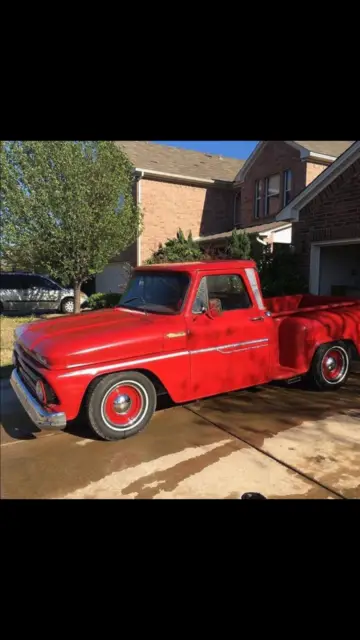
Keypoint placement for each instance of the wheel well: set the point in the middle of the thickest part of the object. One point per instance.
(354, 353)
(159, 387)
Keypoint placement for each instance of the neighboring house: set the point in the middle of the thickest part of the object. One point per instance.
(175, 188)
(211, 195)
(326, 227)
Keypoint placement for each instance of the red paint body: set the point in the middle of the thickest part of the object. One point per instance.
(193, 356)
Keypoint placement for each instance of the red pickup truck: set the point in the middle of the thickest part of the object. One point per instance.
(191, 330)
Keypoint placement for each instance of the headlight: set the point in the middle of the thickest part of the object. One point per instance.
(40, 391)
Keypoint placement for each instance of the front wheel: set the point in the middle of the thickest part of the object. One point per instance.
(120, 405)
(68, 305)
(330, 366)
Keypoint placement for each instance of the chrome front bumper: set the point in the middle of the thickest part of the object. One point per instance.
(42, 418)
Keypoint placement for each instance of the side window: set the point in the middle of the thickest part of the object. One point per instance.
(37, 282)
(16, 282)
(229, 291)
(6, 281)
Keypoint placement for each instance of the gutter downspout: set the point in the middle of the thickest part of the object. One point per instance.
(138, 198)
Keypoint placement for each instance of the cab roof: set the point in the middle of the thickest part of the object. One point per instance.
(202, 265)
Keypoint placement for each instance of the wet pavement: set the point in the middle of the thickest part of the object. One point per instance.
(284, 442)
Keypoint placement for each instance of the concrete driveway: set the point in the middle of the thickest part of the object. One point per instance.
(285, 442)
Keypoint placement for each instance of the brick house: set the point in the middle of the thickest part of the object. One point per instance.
(174, 188)
(326, 227)
(274, 174)
(211, 195)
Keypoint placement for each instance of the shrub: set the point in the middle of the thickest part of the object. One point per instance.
(103, 300)
(178, 249)
(280, 274)
(239, 246)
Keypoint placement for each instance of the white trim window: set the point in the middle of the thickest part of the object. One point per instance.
(257, 200)
(287, 187)
(272, 194)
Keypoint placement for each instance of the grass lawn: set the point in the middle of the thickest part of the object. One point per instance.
(7, 325)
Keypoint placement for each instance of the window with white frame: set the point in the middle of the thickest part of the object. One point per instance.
(272, 194)
(287, 187)
(257, 201)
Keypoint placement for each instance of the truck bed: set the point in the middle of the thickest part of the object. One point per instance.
(303, 303)
(305, 321)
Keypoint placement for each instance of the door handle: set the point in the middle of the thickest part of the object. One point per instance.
(258, 319)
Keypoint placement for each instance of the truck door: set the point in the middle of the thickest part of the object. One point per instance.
(229, 348)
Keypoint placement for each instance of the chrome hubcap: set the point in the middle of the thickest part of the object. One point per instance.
(330, 364)
(122, 404)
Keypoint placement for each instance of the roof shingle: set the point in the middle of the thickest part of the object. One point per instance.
(327, 147)
(158, 157)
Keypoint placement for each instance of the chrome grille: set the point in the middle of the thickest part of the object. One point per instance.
(30, 376)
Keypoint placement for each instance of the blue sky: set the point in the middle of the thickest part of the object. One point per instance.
(231, 148)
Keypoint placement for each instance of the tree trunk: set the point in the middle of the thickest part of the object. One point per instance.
(77, 292)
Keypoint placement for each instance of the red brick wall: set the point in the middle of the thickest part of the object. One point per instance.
(333, 215)
(275, 157)
(168, 207)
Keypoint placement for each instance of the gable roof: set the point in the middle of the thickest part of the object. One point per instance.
(332, 148)
(324, 150)
(291, 211)
(162, 159)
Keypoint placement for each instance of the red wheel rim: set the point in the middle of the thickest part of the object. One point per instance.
(334, 364)
(122, 405)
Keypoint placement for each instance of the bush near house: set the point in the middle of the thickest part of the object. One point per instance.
(178, 249)
(103, 300)
(279, 273)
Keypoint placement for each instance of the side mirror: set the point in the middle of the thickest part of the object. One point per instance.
(215, 308)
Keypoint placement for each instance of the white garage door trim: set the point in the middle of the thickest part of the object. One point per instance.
(314, 275)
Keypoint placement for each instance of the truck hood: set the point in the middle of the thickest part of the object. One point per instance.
(92, 337)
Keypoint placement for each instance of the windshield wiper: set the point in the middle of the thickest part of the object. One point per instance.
(132, 300)
(135, 298)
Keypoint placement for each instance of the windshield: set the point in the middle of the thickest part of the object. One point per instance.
(156, 292)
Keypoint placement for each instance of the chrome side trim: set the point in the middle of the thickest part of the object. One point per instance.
(222, 347)
(42, 418)
(249, 344)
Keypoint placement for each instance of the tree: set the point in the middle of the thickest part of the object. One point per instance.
(178, 249)
(239, 247)
(66, 207)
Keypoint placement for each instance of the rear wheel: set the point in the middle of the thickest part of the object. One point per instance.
(68, 305)
(330, 367)
(120, 405)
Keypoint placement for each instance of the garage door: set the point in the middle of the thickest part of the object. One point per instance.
(339, 270)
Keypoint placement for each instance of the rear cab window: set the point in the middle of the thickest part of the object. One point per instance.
(227, 290)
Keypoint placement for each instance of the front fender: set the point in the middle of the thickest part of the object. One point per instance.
(172, 369)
